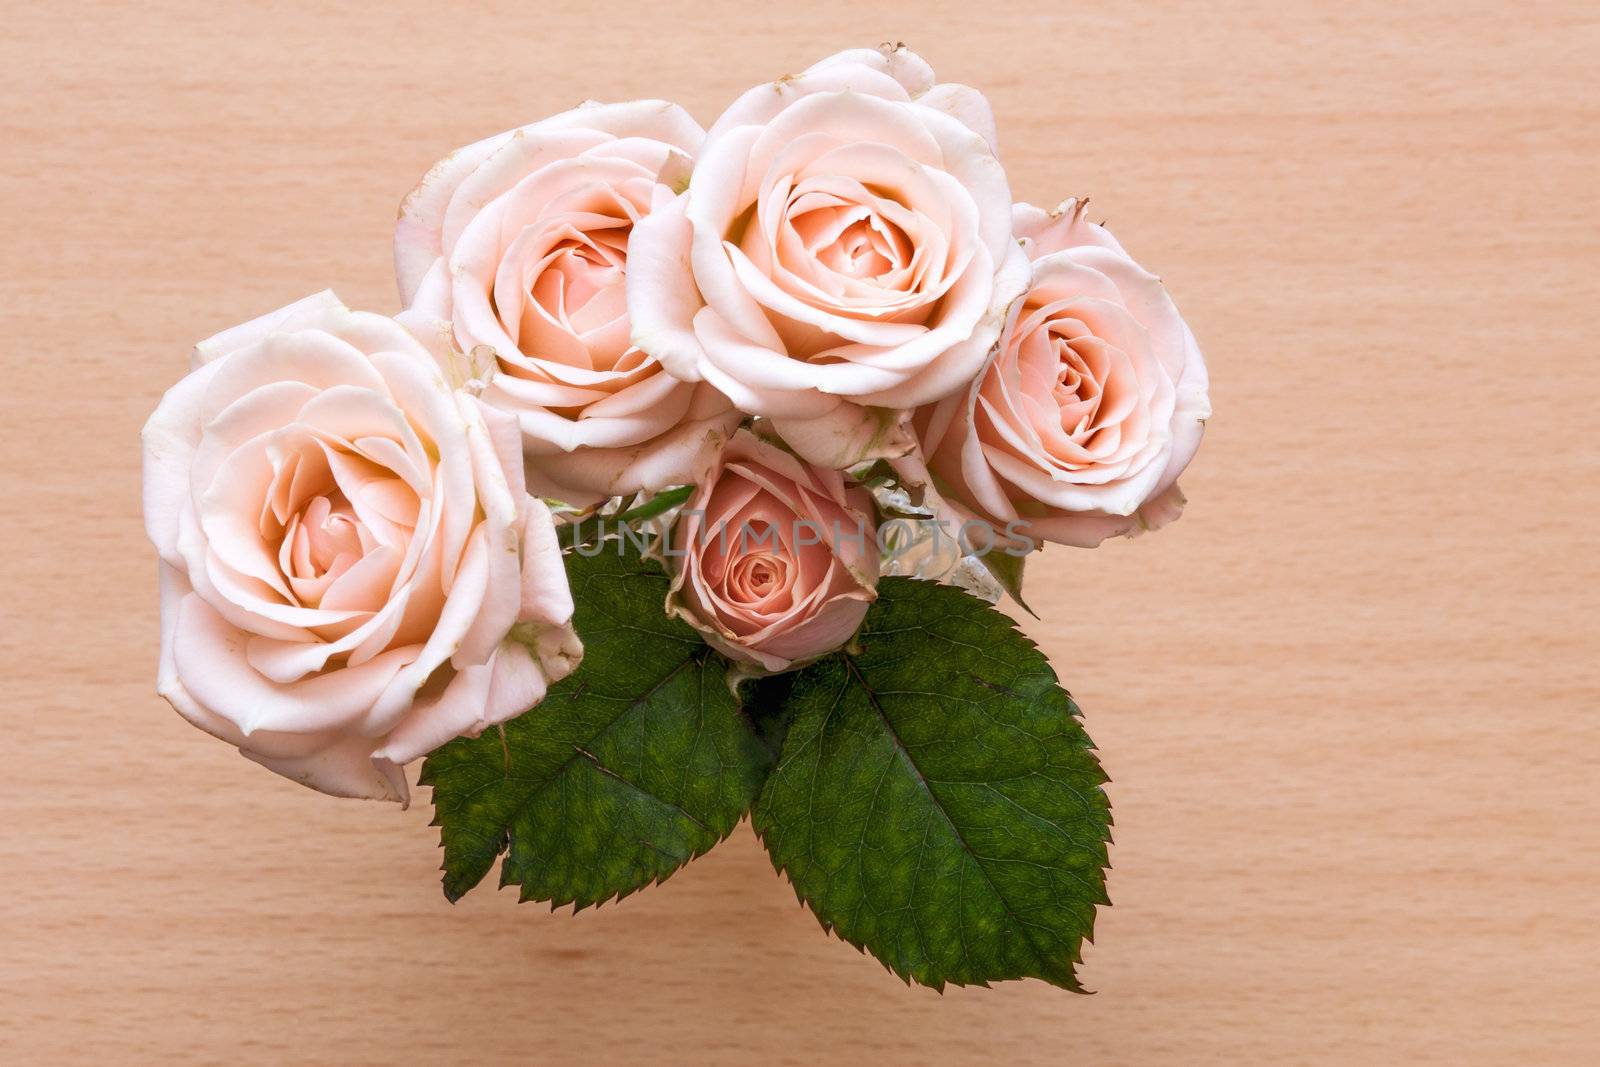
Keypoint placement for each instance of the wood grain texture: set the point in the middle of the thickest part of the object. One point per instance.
(1348, 702)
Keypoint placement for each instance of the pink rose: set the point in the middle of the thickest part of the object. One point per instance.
(1094, 404)
(520, 244)
(845, 245)
(775, 560)
(351, 570)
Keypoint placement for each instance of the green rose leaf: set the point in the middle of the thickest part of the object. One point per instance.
(632, 766)
(936, 800)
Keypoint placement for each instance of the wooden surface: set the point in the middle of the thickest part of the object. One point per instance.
(1349, 701)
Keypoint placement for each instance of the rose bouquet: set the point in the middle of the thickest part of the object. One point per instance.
(693, 466)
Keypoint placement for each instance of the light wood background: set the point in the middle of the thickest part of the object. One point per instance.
(1348, 702)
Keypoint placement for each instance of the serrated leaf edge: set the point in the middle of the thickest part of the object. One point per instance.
(938, 986)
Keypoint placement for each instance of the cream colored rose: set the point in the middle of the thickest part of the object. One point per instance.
(1094, 404)
(520, 244)
(775, 560)
(351, 570)
(845, 246)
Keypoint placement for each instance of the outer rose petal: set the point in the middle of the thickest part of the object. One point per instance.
(317, 311)
(968, 107)
(1066, 226)
(662, 299)
(170, 439)
(324, 761)
(418, 232)
(347, 768)
(892, 73)
(478, 697)
(546, 597)
(670, 459)
(848, 435)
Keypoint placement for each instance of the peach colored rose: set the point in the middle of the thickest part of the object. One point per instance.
(519, 244)
(845, 246)
(1094, 404)
(775, 560)
(351, 570)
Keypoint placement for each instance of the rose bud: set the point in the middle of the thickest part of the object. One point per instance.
(774, 560)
